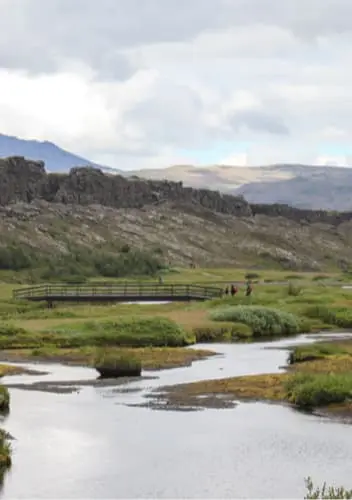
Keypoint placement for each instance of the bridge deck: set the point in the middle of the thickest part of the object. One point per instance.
(113, 292)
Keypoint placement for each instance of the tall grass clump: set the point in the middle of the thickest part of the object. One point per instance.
(5, 453)
(339, 316)
(293, 290)
(261, 320)
(4, 399)
(115, 364)
(312, 352)
(132, 332)
(309, 391)
(326, 492)
(225, 332)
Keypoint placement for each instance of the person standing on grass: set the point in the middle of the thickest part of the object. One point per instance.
(226, 290)
(249, 289)
(234, 290)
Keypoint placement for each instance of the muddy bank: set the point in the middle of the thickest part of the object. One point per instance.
(72, 386)
(152, 358)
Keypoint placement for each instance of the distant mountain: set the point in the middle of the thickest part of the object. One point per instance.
(55, 158)
(304, 186)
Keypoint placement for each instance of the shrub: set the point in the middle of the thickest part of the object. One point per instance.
(252, 276)
(4, 398)
(314, 351)
(5, 453)
(341, 317)
(308, 391)
(222, 333)
(117, 364)
(134, 332)
(10, 330)
(293, 290)
(16, 257)
(326, 492)
(261, 320)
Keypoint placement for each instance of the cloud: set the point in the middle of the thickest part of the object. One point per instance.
(136, 84)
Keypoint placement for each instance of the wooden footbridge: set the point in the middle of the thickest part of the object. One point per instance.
(117, 292)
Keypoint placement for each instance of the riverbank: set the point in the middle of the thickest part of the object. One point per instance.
(152, 358)
(102, 416)
(318, 379)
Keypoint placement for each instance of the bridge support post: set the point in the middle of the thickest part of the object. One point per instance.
(50, 304)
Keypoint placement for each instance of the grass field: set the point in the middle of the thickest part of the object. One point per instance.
(72, 332)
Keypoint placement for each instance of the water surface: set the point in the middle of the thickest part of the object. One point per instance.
(92, 445)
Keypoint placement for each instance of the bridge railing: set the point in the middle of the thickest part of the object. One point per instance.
(116, 290)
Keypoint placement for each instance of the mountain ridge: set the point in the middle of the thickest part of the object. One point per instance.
(298, 185)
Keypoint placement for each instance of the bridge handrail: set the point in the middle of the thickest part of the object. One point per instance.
(124, 289)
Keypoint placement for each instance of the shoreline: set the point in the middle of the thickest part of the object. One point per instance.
(215, 393)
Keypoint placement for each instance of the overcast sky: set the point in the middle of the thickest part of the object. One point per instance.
(150, 83)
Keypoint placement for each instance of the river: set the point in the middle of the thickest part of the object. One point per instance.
(91, 444)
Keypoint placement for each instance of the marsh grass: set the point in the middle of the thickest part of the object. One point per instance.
(308, 391)
(133, 332)
(152, 358)
(261, 320)
(325, 492)
(4, 399)
(117, 364)
(319, 350)
(5, 453)
(224, 332)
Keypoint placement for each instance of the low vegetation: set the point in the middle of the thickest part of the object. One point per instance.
(311, 390)
(4, 399)
(5, 447)
(80, 262)
(5, 453)
(133, 332)
(261, 320)
(320, 378)
(117, 364)
(326, 492)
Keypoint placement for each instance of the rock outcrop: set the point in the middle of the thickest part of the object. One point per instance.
(22, 180)
(25, 181)
(301, 215)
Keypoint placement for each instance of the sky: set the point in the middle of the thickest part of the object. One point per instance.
(151, 83)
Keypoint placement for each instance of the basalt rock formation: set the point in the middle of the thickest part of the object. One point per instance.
(22, 180)
(26, 181)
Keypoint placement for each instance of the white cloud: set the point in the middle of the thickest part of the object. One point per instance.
(133, 84)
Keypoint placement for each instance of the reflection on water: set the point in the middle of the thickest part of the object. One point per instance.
(91, 445)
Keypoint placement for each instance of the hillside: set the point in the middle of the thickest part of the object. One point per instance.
(55, 158)
(88, 212)
(303, 186)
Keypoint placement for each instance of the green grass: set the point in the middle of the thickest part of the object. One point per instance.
(5, 454)
(261, 320)
(326, 492)
(117, 364)
(132, 332)
(224, 332)
(4, 399)
(309, 391)
(339, 316)
(300, 354)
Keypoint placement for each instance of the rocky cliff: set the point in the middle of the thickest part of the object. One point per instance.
(26, 181)
(22, 180)
(51, 214)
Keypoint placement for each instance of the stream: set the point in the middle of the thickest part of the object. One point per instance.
(91, 443)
